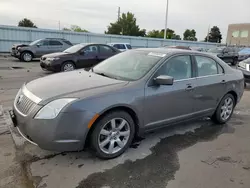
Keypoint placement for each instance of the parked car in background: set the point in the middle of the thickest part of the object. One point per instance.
(83, 55)
(179, 47)
(117, 99)
(227, 54)
(38, 48)
(244, 66)
(121, 46)
(244, 54)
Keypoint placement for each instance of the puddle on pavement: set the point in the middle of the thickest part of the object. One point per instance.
(10, 68)
(158, 168)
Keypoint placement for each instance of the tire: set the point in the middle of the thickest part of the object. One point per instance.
(27, 56)
(67, 66)
(113, 137)
(225, 109)
(235, 61)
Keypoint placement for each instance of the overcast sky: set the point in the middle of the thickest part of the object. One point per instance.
(95, 15)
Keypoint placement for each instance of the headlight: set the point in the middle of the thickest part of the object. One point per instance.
(247, 67)
(52, 58)
(52, 109)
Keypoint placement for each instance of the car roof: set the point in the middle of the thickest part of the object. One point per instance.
(119, 43)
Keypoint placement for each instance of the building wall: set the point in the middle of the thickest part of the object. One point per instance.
(10, 35)
(238, 34)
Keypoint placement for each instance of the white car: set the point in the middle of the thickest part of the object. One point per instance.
(121, 46)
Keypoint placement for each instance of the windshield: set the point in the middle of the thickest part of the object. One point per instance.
(129, 65)
(34, 42)
(74, 49)
(216, 50)
(245, 51)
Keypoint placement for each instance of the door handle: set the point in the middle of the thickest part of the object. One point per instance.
(223, 81)
(189, 87)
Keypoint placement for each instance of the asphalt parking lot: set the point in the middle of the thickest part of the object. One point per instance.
(196, 154)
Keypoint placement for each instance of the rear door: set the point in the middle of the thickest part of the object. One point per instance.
(88, 56)
(55, 46)
(105, 52)
(211, 84)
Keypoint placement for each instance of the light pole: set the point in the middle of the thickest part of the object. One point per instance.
(166, 22)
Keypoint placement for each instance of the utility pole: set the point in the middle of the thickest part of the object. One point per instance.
(208, 32)
(119, 13)
(59, 25)
(166, 22)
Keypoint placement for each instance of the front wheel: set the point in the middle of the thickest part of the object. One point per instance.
(112, 134)
(26, 56)
(224, 110)
(67, 66)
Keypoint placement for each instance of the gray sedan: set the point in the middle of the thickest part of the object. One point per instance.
(125, 96)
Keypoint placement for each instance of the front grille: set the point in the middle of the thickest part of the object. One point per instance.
(24, 104)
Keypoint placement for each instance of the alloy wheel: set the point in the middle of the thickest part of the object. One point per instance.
(226, 109)
(114, 135)
(27, 57)
(68, 67)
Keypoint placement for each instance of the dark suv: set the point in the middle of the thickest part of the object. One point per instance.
(39, 48)
(227, 54)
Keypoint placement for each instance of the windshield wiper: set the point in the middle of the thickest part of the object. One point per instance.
(103, 74)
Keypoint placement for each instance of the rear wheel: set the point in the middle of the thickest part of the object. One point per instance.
(67, 66)
(112, 135)
(225, 109)
(26, 56)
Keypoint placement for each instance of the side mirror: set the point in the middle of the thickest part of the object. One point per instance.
(38, 45)
(81, 52)
(164, 80)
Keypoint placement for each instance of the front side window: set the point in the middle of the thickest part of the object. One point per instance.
(129, 65)
(206, 66)
(91, 48)
(55, 43)
(43, 43)
(179, 67)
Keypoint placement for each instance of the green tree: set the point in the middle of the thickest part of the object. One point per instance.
(190, 34)
(214, 35)
(126, 25)
(26, 23)
(160, 34)
(75, 28)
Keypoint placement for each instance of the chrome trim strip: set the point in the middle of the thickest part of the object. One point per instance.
(26, 138)
(67, 141)
(30, 95)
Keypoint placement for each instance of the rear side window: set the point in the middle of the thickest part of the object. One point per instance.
(55, 43)
(206, 66)
(105, 49)
(120, 46)
(128, 46)
(67, 42)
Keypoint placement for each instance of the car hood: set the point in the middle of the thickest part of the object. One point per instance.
(78, 84)
(57, 54)
(19, 45)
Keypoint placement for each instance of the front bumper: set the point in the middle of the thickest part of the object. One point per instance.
(49, 66)
(15, 53)
(67, 132)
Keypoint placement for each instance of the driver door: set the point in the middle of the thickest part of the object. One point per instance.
(88, 56)
(167, 104)
(42, 48)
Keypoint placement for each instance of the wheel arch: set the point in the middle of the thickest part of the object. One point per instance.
(28, 52)
(232, 92)
(124, 108)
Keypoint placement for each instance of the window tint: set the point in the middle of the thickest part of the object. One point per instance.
(178, 67)
(43, 43)
(67, 42)
(206, 66)
(55, 43)
(128, 46)
(91, 48)
(120, 46)
(105, 49)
